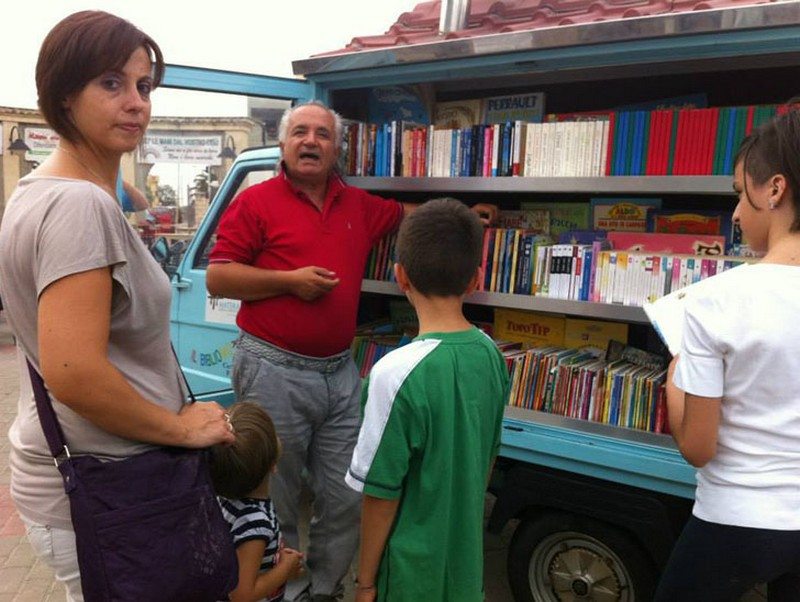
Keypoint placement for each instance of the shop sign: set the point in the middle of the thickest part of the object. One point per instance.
(181, 148)
(41, 141)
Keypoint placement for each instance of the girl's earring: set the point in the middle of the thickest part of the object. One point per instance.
(772, 204)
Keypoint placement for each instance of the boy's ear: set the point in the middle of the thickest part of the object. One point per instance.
(402, 278)
(473, 283)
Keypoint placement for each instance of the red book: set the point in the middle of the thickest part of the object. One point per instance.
(664, 142)
(653, 143)
(682, 143)
(696, 141)
(700, 132)
(750, 114)
(658, 242)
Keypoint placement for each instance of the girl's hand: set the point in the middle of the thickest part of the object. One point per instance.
(671, 369)
(293, 561)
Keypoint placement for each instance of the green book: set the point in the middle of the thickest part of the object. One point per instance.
(719, 146)
(673, 137)
(645, 144)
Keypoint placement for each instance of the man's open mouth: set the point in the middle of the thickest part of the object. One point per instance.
(313, 156)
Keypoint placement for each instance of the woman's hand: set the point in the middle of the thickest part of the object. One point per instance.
(205, 423)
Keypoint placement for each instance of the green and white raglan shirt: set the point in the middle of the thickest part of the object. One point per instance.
(431, 428)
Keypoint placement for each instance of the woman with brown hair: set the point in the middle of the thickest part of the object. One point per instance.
(86, 301)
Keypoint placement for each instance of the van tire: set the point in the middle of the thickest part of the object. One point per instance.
(560, 556)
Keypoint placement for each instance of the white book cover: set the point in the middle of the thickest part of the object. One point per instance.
(604, 148)
(429, 150)
(531, 133)
(667, 313)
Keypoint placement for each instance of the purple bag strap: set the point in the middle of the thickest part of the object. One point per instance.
(47, 415)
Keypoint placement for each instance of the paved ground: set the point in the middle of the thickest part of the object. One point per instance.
(23, 578)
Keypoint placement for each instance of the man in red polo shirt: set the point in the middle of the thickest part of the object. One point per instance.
(293, 249)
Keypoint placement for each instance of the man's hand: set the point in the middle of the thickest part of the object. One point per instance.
(312, 282)
(485, 211)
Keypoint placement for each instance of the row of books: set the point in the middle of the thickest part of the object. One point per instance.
(631, 278)
(579, 384)
(660, 142)
(521, 262)
(680, 141)
(369, 348)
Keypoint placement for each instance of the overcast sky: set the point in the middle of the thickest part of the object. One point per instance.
(255, 37)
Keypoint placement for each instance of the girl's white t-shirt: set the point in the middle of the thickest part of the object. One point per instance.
(741, 342)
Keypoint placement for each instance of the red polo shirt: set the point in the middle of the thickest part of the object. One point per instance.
(273, 225)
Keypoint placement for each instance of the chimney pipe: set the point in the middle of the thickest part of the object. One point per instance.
(453, 15)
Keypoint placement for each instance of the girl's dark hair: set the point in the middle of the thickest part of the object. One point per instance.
(439, 246)
(774, 148)
(78, 49)
(239, 468)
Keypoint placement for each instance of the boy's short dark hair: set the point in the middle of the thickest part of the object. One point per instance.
(79, 48)
(439, 246)
(239, 468)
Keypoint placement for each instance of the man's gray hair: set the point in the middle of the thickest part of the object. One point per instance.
(283, 127)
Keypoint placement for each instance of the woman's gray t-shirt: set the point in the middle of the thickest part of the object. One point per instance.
(52, 228)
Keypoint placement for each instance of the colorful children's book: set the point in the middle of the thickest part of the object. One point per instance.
(593, 333)
(563, 216)
(528, 108)
(536, 221)
(668, 243)
(457, 114)
(529, 328)
(622, 214)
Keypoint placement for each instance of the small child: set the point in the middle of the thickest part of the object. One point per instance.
(431, 426)
(240, 474)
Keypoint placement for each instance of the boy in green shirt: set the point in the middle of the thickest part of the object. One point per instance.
(431, 425)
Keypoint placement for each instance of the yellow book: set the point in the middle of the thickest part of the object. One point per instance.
(527, 327)
(499, 241)
(593, 333)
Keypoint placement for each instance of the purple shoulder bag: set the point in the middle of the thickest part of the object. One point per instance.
(148, 528)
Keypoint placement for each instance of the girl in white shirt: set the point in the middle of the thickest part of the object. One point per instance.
(733, 394)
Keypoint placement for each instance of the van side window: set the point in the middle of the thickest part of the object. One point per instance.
(244, 178)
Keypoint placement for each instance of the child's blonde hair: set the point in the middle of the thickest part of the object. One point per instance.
(239, 468)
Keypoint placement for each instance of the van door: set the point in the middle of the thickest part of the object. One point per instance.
(203, 327)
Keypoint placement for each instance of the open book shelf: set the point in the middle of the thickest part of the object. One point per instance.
(606, 311)
(638, 458)
(714, 185)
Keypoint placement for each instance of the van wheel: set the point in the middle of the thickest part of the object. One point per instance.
(564, 558)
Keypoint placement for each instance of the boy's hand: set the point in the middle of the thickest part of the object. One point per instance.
(293, 561)
(485, 211)
(366, 595)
